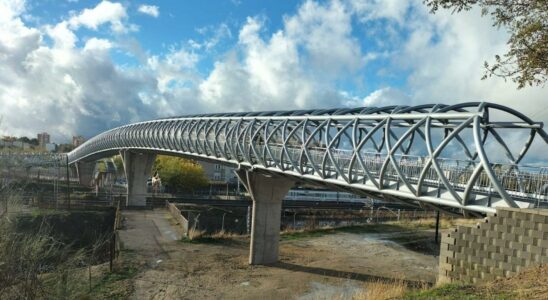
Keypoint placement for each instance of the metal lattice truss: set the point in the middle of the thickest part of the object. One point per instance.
(429, 154)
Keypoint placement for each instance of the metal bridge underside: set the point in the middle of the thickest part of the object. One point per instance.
(428, 155)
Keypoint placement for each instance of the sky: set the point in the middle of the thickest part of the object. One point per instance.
(80, 67)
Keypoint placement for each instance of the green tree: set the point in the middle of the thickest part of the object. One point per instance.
(24, 139)
(526, 63)
(63, 148)
(179, 174)
(119, 163)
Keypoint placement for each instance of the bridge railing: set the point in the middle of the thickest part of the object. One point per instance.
(522, 181)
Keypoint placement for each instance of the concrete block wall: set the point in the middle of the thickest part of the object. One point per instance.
(499, 246)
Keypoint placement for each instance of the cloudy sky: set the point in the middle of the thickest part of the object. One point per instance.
(80, 67)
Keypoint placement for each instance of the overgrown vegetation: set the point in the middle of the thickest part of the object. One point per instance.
(117, 284)
(47, 254)
(202, 237)
(179, 174)
(529, 284)
(37, 265)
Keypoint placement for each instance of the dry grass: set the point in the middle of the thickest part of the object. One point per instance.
(195, 234)
(527, 285)
(382, 290)
(445, 223)
(201, 236)
(290, 230)
(225, 235)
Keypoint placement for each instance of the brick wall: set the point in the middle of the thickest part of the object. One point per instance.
(499, 246)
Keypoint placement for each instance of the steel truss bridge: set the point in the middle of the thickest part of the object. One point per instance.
(428, 155)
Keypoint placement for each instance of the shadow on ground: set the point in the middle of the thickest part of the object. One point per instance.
(344, 274)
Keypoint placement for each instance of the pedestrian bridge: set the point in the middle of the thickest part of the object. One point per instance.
(466, 158)
(454, 157)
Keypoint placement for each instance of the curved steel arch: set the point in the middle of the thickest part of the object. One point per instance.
(389, 152)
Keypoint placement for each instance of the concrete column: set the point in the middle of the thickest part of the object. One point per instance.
(138, 168)
(267, 193)
(85, 172)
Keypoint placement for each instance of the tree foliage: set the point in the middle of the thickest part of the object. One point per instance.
(119, 163)
(179, 174)
(526, 62)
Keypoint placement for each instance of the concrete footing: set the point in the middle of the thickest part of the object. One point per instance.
(267, 193)
(138, 168)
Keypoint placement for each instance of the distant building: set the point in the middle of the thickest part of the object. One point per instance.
(77, 140)
(50, 147)
(7, 141)
(12, 142)
(43, 139)
(218, 174)
(21, 145)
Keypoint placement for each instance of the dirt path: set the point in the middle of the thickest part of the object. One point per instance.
(335, 265)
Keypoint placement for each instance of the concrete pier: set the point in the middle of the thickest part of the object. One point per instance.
(138, 168)
(267, 193)
(85, 172)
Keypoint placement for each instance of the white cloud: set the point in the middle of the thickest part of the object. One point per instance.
(176, 69)
(104, 12)
(95, 44)
(151, 10)
(61, 35)
(213, 36)
(385, 97)
(370, 10)
(10, 9)
(63, 89)
(292, 68)
(443, 55)
(70, 87)
(66, 88)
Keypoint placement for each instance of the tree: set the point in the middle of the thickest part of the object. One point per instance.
(526, 63)
(63, 148)
(119, 163)
(24, 139)
(179, 174)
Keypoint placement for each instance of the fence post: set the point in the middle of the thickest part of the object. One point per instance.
(68, 184)
(437, 225)
(248, 219)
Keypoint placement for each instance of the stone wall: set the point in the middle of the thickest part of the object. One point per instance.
(499, 246)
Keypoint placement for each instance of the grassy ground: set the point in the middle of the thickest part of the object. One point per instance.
(530, 284)
(202, 237)
(118, 283)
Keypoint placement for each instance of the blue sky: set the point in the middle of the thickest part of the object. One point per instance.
(81, 67)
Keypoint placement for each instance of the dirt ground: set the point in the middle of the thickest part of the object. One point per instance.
(324, 267)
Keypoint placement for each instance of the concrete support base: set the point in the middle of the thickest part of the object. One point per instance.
(85, 172)
(267, 193)
(138, 168)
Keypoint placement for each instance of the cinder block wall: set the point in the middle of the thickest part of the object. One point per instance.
(501, 245)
